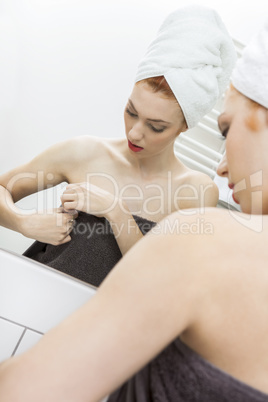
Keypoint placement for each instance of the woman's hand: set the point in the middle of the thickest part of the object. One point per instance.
(88, 198)
(53, 227)
(94, 200)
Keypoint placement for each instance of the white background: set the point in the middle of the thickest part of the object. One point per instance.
(67, 68)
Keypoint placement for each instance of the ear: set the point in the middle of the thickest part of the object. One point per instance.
(185, 128)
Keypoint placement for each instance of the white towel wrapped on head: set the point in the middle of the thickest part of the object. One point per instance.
(250, 75)
(196, 55)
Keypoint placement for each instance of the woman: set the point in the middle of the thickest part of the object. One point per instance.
(212, 302)
(123, 186)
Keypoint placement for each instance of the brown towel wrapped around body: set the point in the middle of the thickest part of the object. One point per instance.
(92, 252)
(178, 374)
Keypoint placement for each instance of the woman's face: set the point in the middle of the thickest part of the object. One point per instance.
(152, 122)
(245, 126)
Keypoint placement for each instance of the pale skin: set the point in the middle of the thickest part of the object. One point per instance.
(108, 179)
(214, 298)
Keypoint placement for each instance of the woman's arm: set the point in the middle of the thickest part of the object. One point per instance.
(124, 226)
(199, 192)
(52, 226)
(46, 170)
(143, 304)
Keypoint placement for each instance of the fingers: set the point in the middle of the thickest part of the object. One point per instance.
(65, 235)
(63, 214)
(73, 213)
(69, 201)
(62, 237)
(72, 186)
(75, 197)
(70, 223)
(68, 197)
(66, 221)
(66, 240)
(70, 206)
(69, 230)
(77, 186)
(55, 226)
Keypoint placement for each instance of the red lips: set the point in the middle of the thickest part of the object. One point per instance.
(134, 148)
(231, 186)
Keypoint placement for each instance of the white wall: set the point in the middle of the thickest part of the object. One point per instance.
(67, 68)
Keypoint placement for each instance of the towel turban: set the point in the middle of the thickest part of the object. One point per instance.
(196, 55)
(250, 75)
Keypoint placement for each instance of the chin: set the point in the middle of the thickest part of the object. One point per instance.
(254, 209)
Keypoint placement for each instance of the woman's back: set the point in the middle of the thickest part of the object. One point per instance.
(231, 323)
(178, 374)
(224, 351)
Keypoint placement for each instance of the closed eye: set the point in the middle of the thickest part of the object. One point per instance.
(157, 130)
(225, 132)
(223, 124)
(131, 114)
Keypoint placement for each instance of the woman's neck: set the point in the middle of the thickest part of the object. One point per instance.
(155, 164)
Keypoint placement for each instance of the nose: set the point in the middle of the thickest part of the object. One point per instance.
(136, 132)
(222, 169)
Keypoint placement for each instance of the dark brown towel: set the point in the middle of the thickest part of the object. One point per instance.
(178, 374)
(92, 252)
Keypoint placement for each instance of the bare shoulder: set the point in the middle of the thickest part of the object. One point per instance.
(217, 245)
(224, 239)
(82, 146)
(70, 155)
(198, 185)
(197, 178)
(208, 188)
(227, 227)
(85, 147)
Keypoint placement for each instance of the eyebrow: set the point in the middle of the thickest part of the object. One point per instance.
(154, 120)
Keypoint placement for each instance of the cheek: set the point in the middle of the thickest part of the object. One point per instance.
(163, 139)
(229, 149)
(252, 121)
(236, 146)
(127, 122)
(234, 156)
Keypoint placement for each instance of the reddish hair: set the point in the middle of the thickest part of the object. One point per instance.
(159, 84)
